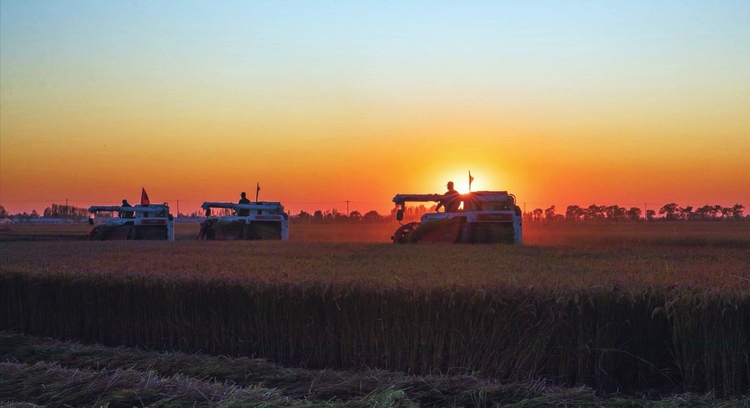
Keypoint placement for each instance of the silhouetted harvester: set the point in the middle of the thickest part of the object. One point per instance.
(264, 220)
(486, 217)
(138, 222)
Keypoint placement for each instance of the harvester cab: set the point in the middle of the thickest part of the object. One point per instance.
(138, 222)
(263, 220)
(486, 217)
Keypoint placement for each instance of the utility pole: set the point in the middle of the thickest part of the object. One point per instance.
(178, 208)
(66, 210)
(645, 210)
(347, 208)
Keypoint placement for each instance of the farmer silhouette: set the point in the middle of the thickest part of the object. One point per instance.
(451, 200)
(243, 212)
(126, 214)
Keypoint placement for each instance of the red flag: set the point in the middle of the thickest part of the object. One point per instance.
(144, 197)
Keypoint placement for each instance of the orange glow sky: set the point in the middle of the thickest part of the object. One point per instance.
(324, 102)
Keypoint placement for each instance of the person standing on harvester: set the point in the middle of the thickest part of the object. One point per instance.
(451, 199)
(243, 212)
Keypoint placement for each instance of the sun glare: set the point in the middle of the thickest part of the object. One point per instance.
(462, 185)
(481, 182)
(463, 189)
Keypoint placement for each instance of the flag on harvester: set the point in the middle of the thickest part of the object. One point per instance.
(144, 197)
(470, 180)
(257, 190)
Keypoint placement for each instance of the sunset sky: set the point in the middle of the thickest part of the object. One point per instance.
(321, 102)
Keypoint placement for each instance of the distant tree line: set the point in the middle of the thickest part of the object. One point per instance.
(669, 212)
(574, 213)
(673, 212)
(23, 216)
(411, 213)
(335, 217)
(62, 211)
(65, 211)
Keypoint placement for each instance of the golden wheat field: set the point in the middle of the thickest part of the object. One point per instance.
(621, 306)
(382, 264)
(585, 234)
(709, 255)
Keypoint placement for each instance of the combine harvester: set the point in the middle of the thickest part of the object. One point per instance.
(486, 217)
(138, 222)
(264, 220)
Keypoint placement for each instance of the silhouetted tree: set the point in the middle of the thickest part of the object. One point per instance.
(615, 213)
(737, 210)
(549, 213)
(669, 211)
(3, 213)
(726, 212)
(318, 216)
(573, 213)
(702, 213)
(537, 213)
(372, 217)
(650, 215)
(685, 213)
(594, 212)
(302, 217)
(610, 212)
(708, 211)
(634, 213)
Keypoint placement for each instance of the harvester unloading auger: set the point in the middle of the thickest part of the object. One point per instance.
(486, 217)
(264, 220)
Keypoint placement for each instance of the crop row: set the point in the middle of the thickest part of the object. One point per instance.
(606, 337)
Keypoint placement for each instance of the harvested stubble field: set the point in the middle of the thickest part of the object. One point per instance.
(641, 307)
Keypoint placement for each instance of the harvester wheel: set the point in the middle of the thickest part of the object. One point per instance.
(96, 233)
(399, 237)
(206, 232)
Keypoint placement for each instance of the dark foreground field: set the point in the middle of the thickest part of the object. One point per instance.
(644, 310)
(43, 372)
